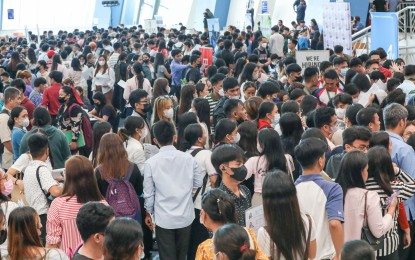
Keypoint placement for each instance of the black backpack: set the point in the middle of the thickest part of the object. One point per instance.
(4, 111)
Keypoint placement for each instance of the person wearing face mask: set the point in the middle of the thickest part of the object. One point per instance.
(293, 72)
(103, 111)
(17, 123)
(341, 66)
(70, 120)
(217, 92)
(7, 206)
(272, 157)
(231, 90)
(268, 116)
(140, 102)
(226, 132)
(263, 54)
(103, 78)
(135, 130)
(235, 111)
(233, 172)
(192, 74)
(163, 110)
(325, 119)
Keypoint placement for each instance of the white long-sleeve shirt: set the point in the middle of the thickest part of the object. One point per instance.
(105, 80)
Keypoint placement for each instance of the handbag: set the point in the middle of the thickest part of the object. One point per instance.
(374, 242)
(17, 194)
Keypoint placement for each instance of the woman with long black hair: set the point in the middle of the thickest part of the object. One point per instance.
(381, 179)
(288, 233)
(271, 157)
(136, 82)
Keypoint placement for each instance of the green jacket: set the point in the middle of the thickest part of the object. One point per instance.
(59, 148)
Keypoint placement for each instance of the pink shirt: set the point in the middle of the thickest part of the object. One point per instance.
(61, 226)
(258, 166)
(354, 204)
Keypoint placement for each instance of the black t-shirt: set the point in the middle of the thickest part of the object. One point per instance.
(78, 256)
(262, 55)
(193, 75)
(109, 111)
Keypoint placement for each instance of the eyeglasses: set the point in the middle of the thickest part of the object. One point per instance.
(362, 148)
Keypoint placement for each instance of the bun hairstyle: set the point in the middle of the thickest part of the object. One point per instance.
(219, 206)
(233, 241)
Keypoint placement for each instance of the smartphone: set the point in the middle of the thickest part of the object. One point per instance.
(389, 200)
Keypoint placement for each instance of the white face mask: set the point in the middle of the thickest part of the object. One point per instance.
(255, 76)
(101, 63)
(276, 119)
(221, 93)
(334, 129)
(82, 63)
(340, 112)
(264, 45)
(259, 148)
(25, 122)
(355, 100)
(168, 90)
(236, 138)
(234, 97)
(144, 133)
(168, 113)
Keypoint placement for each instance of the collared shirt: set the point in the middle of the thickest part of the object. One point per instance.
(323, 201)
(408, 87)
(34, 195)
(169, 178)
(176, 72)
(404, 156)
(36, 97)
(242, 203)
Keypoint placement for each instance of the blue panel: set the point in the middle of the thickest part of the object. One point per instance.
(102, 14)
(222, 11)
(358, 8)
(116, 13)
(1, 15)
(129, 6)
(381, 23)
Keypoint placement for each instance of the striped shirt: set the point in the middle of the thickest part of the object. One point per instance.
(212, 104)
(406, 185)
(61, 226)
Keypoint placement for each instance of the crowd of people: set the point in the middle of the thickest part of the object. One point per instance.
(116, 143)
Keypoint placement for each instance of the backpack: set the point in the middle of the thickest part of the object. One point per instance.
(117, 71)
(203, 187)
(121, 196)
(85, 126)
(4, 111)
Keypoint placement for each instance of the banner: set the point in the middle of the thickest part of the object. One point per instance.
(265, 24)
(150, 26)
(381, 23)
(337, 27)
(311, 58)
(206, 57)
(214, 30)
(264, 6)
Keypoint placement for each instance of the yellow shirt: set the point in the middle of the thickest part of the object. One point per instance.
(206, 251)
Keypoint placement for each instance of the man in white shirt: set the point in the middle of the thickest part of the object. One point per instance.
(276, 42)
(38, 181)
(169, 179)
(114, 57)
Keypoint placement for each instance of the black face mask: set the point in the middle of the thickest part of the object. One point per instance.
(146, 108)
(61, 100)
(97, 106)
(146, 61)
(3, 236)
(299, 79)
(240, 173)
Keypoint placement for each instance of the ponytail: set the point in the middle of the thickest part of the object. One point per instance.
(248, 254)
(122, 133)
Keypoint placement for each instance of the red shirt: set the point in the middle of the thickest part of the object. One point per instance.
(386, 72)
(262, 123)
(50, 98)
(30, 107)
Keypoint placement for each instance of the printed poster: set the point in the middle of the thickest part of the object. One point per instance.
(337, 27)
(214, 30)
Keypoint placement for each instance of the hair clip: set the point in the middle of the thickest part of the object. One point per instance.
(243, 248)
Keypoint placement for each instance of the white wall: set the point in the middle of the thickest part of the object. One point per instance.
(196, 14)
(48, 14)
